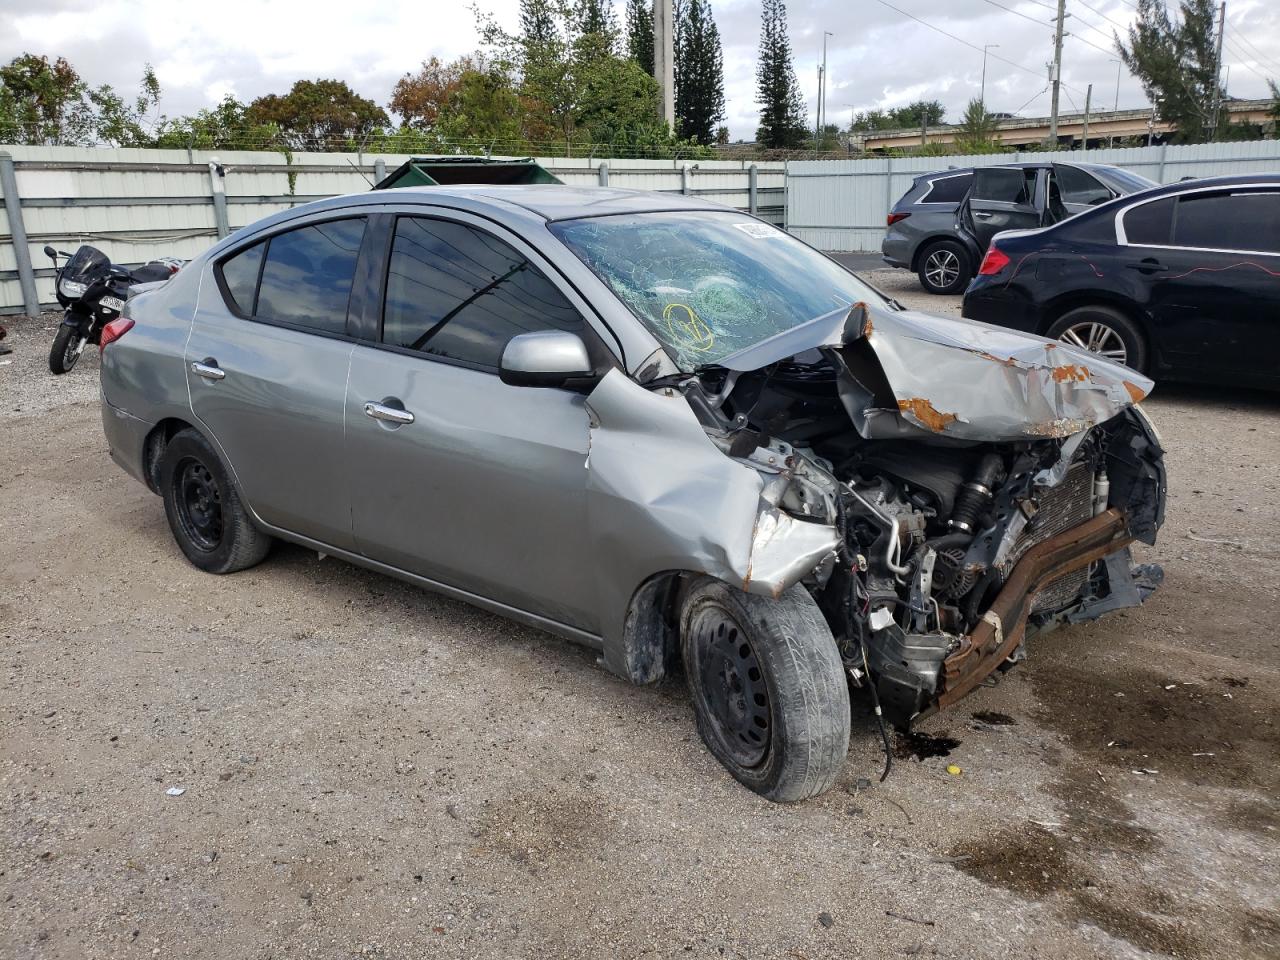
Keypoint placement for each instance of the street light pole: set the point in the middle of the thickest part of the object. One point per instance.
(1057, 73)
(982, 96)
(1116, 107)
(823, 91)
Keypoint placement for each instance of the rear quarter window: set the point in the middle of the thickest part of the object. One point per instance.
(240, 277)
(948, 189)
(1150, 223)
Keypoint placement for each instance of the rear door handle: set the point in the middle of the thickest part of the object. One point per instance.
(980, 215)
(380, 411)
(1147, 266)
(208, 368)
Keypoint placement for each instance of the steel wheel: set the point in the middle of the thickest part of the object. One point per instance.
(1097, 338)
(199, 504)
(942, 268)
(733, 684)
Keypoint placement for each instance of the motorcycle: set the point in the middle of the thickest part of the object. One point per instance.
(92, 292)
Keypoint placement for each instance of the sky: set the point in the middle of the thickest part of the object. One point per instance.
(876, 57)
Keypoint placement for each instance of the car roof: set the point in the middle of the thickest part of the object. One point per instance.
(555, 201)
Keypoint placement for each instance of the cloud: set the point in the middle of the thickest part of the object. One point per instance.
(876, 58)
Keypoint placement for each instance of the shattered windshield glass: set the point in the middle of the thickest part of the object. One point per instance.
(709, 284)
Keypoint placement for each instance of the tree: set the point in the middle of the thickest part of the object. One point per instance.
(699, 72)
(899, 118)
(537, 21)
(318, 114)
(225, 127)
(1175, 62)
(977, 130)
(596, 18)
(43, 102)
(418, 98)
(782, 116)
(640, 33)
(483, 106)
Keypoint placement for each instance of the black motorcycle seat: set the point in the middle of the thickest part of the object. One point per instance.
(150, 272)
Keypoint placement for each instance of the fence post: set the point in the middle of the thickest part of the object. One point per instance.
(18, 234)
(786, 194)
(684, 179)
(753, 203)
(602, 174)
(379, 170)
(888, 185)
(1160, 170)
(217, 172)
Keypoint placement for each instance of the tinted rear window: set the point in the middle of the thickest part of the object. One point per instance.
(307, 277)
(240, 274)
(1150, 222)
(1229, 221)
(948, 189)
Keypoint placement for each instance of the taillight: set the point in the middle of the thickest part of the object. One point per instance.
(113, 331)
(893, 218)
(995, 261)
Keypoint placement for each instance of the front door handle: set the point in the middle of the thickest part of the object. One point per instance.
(380, 411)
(208, 368)
(1148, 265)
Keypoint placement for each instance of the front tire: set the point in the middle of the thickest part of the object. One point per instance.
(768, 688)
(66, 349)
(1104, 331)
(208, 521)
(944, 268)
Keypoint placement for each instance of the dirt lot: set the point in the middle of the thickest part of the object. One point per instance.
(370, 770)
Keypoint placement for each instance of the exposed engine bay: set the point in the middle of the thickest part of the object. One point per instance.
(949, 551)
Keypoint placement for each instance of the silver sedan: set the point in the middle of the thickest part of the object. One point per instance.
(653, 425)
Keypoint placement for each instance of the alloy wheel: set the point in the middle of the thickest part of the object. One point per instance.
(941, 268)
(1097, 338)
(732, 686)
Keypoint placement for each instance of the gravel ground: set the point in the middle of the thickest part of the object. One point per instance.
(370, 770)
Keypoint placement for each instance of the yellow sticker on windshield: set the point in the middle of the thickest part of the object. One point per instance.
(687, 328)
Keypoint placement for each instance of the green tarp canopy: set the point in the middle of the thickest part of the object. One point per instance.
(444, 171)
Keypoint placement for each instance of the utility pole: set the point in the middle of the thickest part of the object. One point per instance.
(1057, 73)
(822, 93)
(664, 59)
(982, 95)
(1084, 137)
(1116, 107)
(1216, 100)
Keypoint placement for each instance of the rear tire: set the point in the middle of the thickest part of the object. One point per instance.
(944, 268)
(66, 349)
(208, 521)
(1105, 331)
(768, 688)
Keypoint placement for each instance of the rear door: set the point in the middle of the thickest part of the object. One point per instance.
(471, 482)
(1078, 189)
(1003, 198)
(267, 367)
(1210, 260)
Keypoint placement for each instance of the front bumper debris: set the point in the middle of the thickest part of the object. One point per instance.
(1003, 627)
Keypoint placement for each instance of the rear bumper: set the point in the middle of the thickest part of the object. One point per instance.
(1003, 627)
(126, 439)
(896, 251)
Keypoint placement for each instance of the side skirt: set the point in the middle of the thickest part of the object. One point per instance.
(589, 640)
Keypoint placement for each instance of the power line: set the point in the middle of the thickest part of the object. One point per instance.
(1244, 59)
(1118, 26)
(926, 23)
(1090, 43)
(1243, 38)
(1016, 13)
(1042, 92)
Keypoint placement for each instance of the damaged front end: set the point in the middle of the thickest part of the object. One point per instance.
(989, 488)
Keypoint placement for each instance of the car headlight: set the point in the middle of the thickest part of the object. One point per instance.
(72, 288)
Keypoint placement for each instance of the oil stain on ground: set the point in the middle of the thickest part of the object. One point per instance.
(922, 745)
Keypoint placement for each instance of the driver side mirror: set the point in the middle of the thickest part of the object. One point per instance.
(51, 253)
(544, 358)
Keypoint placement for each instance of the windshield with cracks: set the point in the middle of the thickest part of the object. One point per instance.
(708, 284)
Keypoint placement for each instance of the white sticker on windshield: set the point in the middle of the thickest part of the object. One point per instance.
(761, 231)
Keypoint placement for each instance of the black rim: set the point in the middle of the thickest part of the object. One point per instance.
(199, 502)
(732, 686)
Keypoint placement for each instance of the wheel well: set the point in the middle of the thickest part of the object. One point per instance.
(1092, 298)
(153, 448)
(930, 242)
(651, 634)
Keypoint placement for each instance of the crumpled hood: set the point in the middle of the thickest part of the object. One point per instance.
(961, 378)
